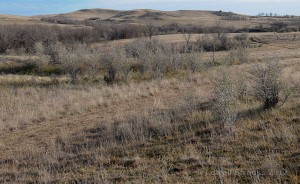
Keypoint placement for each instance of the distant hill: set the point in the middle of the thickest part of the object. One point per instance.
(143, 16)
(86, 17)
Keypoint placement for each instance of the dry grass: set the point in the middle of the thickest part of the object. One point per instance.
(162, 131)
(22, 106)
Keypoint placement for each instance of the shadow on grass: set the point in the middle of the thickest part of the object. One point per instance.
(30, 84)
(251, 113)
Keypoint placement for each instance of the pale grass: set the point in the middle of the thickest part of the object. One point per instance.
(21, 106)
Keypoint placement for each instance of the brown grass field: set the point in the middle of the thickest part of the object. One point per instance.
(162, 130)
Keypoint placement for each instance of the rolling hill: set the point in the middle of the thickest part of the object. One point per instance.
(144, 16)
(141, 16)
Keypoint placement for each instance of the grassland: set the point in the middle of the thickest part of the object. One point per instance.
(149, 129)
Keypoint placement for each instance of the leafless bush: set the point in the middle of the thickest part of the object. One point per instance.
(52, 50)
(176, 62)
(242, 38)
(150, 30)
(4, 39)
(187, 35)
(159, 63)
(94, 63)
(24, 37)
(109, 62)
(193, 61)
(268, 83)
(72, 59)
(226, 98)
(124, 62)
(237, 56)
(119, 61)
(151, 55)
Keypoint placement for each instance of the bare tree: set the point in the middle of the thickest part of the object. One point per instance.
(218, 33)
(150, 29)
(294, 37)
(218, 29)
(187, 35)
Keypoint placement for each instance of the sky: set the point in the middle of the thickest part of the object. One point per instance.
(249, 7)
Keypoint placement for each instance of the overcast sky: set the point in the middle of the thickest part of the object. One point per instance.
(250, 7)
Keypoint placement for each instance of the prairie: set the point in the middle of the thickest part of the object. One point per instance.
(174, 108)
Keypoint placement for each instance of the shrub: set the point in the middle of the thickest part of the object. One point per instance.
(4, 39)
(109, 63)
(237, 56)
(27, 67)
(226, 98)
(72, 59)
(268, 83)
(111, 75)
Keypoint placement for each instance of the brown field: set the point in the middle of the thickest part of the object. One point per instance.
(150, 129)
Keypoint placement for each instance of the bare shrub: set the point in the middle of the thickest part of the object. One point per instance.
(268, 83)
(135, 48)
(72, 59)
(226, 99)
(242, 38)
(52, 50)
(192, 62)
(159, 63)
(239, 55)
(93, 60)
(187, 35)
(4, 39)
(176, 62)
(151, 55)
(124, 62)
(214, 43)
(150, 30)
(116, 60)
(109, 62)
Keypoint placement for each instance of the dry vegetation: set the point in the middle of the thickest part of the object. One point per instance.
(184, 108)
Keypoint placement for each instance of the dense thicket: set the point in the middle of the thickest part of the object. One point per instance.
(14, 37)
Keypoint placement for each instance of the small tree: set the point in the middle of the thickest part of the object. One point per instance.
(150, 30)
(268, 83)
(218, 33)
(187, 35)
(218, 29)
